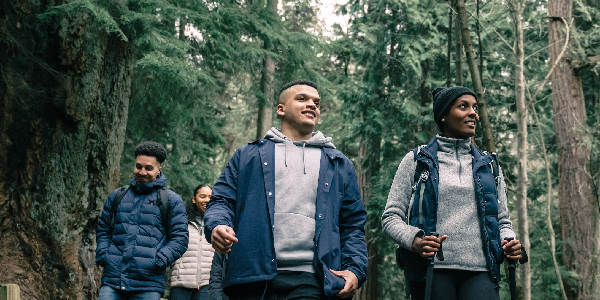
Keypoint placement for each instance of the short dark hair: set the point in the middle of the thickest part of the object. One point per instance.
(151, 148)
(297, 82)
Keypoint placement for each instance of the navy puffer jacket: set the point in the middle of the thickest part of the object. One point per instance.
(136, 253)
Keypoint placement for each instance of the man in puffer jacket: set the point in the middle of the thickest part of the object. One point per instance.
(136, 249)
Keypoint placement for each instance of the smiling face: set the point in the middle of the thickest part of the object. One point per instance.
(201, 198)
(461, 120)
(299, 110)
(146, 169)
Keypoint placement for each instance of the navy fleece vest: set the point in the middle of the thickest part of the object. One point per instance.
(485, 192)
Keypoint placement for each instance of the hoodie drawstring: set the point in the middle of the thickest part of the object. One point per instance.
(303, 164)
(285, 143)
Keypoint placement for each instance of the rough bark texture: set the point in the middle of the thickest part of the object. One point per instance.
(460, 76)
(488, 137)
(265, 106)
(516, 8)
(578, 212)
(366, 169)
(449, 61)
(64, 93)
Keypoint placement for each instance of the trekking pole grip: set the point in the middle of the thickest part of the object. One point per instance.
(440, 252)
(512, 264)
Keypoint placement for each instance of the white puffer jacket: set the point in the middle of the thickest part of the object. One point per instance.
(192, 270)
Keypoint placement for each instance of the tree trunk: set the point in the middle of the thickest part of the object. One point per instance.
(488, 137)
(64, 97)
(449, 61)
(429, 128)
(578, 213)
(367, 168)
(265, 106)
(267, 86)
(480, 48)
(516, 8)
(460, 76)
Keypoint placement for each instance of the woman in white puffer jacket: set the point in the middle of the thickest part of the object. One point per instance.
(191, 273)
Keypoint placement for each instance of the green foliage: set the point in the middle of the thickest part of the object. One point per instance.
(98, 9)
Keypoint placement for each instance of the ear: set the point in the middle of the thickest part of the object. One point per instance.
(280, 111)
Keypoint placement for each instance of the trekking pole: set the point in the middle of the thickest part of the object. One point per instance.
(512, 281)
(429, 276)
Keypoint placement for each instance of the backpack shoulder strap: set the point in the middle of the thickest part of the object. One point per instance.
(116, 201)
(417, 177)
(418, 168)
(495, 165)
(163, 204)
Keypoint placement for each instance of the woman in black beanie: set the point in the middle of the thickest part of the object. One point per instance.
(448, 187)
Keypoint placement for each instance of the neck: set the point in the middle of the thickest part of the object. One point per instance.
(294, 134)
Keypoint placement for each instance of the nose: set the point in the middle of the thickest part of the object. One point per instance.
(472, 111)
(143, 171)
(311, 104)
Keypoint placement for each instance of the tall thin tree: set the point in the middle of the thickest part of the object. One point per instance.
(516, 8)
(488, 137)
(449, 60)
(267, 84)
(460, 76)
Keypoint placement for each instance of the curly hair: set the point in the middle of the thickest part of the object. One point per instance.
(150, 148)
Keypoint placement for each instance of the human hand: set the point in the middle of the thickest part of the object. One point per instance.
(512, 249)
(351, 283)
(428, 245)
(222, 238)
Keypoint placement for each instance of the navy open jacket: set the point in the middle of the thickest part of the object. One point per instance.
(244, 199)
(136, 253)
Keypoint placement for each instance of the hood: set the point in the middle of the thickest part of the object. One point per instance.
(148, 187)
(317, 139)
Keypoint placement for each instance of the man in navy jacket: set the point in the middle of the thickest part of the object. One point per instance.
(137, 248)
(288, 211)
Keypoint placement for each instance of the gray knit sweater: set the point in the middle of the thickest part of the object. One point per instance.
(457, 215)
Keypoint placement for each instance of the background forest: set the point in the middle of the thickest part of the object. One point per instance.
(83, 81)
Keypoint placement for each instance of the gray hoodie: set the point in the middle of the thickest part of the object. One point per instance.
(297, 167)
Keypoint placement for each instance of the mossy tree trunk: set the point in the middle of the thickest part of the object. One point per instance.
(64, 90)
(578, 213)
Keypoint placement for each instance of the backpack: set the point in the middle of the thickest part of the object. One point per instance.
(162, 194)
(406, 259)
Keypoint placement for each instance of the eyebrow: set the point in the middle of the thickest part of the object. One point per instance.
(307, 95)
(461, 101)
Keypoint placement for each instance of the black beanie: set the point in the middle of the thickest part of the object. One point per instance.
(444, 98)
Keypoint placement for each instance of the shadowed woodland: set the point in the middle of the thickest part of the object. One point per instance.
(83, 81)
